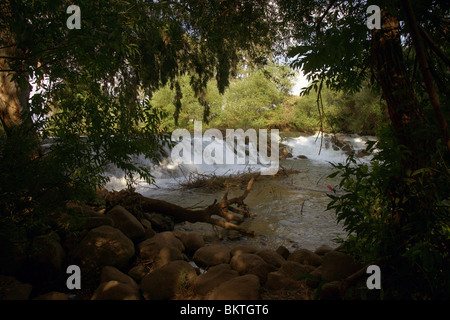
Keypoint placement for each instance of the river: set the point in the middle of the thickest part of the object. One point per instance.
(290, 210)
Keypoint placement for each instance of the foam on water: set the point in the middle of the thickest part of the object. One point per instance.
(168, 172)
(324, 150)
(290, 212)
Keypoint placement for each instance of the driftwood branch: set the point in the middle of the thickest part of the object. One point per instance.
(226, 210)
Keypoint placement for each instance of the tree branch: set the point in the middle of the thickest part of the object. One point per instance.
(425, 70)
(138, 204)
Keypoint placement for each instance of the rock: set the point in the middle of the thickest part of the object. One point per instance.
(316, 276)
(243, 248)
(115, 290)
(160, 222)
(54, 295)
(192, 241)
(295, 270)
(322, 250)
(161, 249)
(103, 246)
(283, 251)
(72, 239)
(79, 210)
(305, 256)
(331, 291)
(167, 281)
(13, 289)
(126, 222)
(213, 278)
(362, 153)
(159, 256)
(249, 263)
(244, 287)
(102, 193)
(46, 258)
(278, 280)
(348, 149)
(212, 255)
(302, 157)
(271, 257)
(149, 232)
(110, 273)
(285, 152)
(165, 239)
(337, 265)
(94, 222)
(14, 245)
(138, 272)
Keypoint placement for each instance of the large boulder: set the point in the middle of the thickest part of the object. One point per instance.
(94, 222)
(126, 222)
(115, 290)
(46, 258)
(161, 249)
(14, 245)
(271, 257)
(215, 276)
(138, 272)
(243, 248)
(331, 291)
(283, 251)
(192, 241)
(110, 273)
(249, 263)
(278, 280)
(212, 255)
(295, 270)
(244, 287)
(53, 295)
(323, 250)
(13, 289)
(149, 232)
(305, 256)
(168, 281)
(337, 265)
(163, 239)
(103, 246)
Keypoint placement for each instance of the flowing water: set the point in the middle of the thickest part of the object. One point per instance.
(290, 210)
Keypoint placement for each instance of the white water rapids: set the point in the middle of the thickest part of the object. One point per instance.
(291, 210)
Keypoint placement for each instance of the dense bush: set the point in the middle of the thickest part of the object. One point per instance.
(399, 220)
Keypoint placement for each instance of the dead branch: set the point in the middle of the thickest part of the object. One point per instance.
(229, 209)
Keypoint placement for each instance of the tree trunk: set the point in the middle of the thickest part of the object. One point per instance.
(425, 70)
(404, 110)
(13, 97)
(138, 204)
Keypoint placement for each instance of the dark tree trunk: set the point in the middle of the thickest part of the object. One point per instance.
(425, 70)
(404, 110)
(13, 97)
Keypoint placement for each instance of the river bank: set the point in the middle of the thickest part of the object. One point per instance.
(129, 256)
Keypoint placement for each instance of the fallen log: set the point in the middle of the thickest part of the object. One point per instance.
(233, 209)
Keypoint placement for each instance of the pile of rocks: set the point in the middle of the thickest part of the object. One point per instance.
(122, 257)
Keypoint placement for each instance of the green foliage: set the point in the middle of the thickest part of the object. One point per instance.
(260, 98)
(399, 221)
(95, 83)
